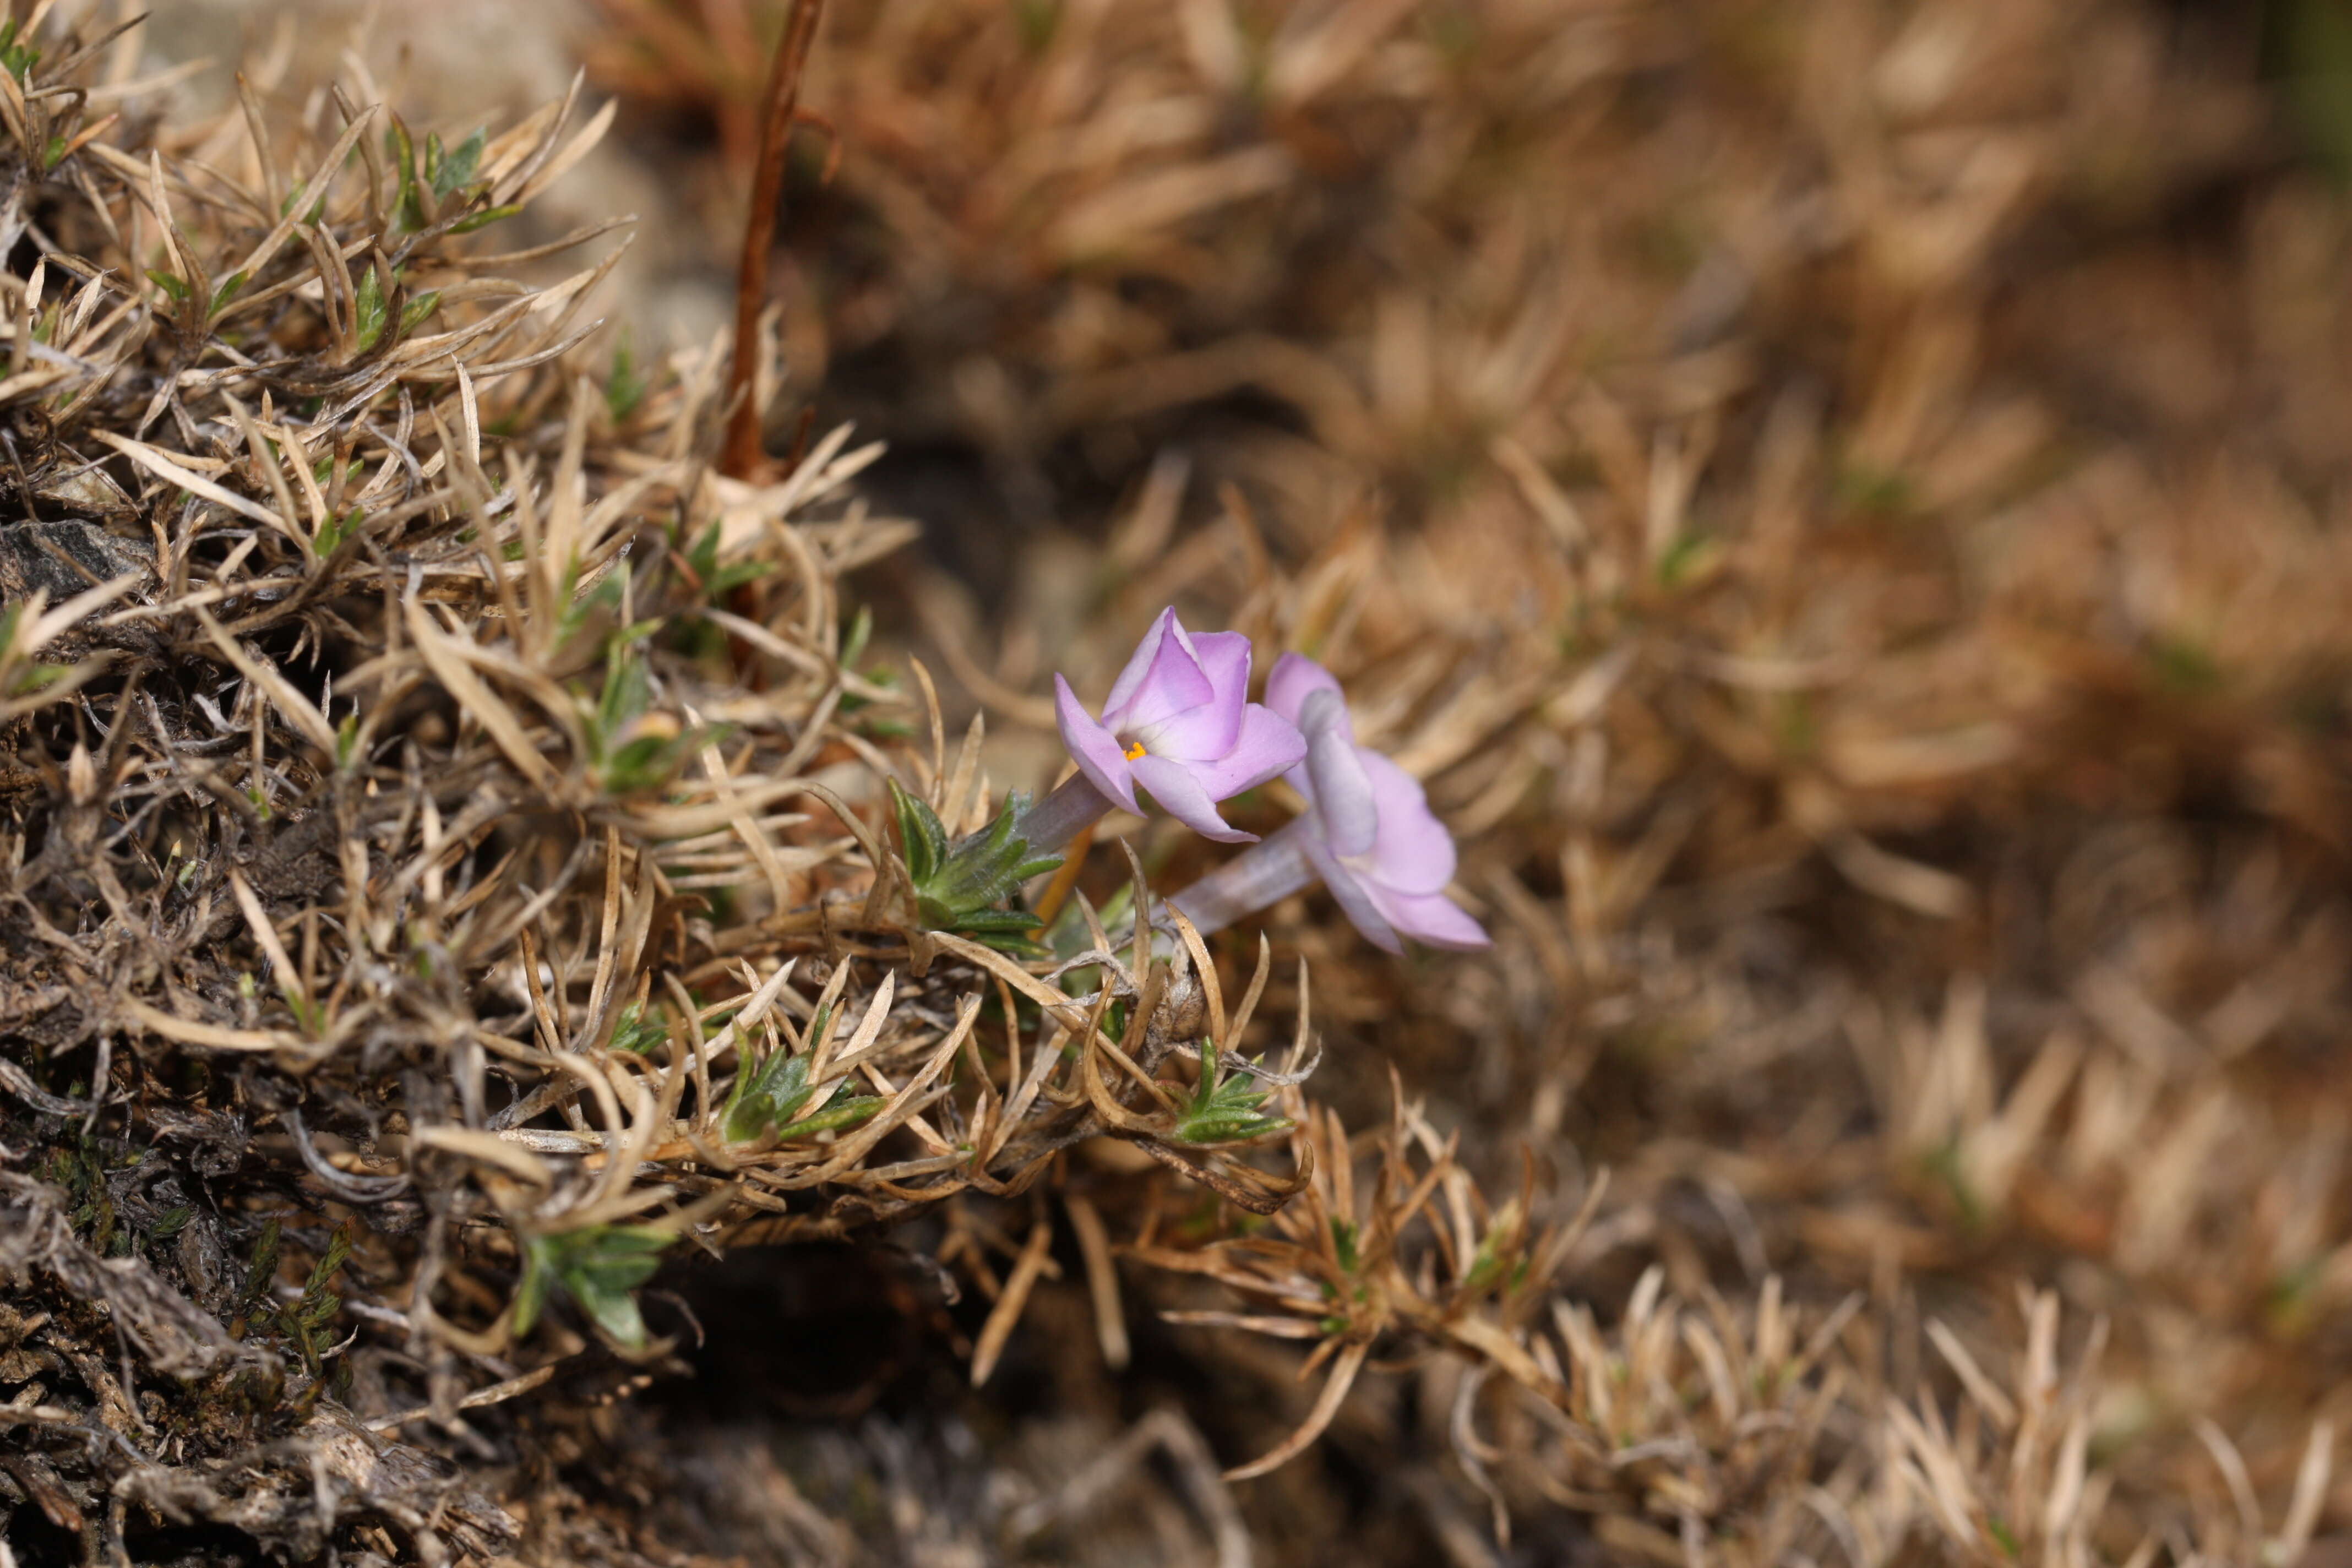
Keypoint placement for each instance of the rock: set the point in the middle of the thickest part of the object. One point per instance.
(65, 558)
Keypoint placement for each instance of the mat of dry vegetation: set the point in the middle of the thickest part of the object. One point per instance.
(1841, 502)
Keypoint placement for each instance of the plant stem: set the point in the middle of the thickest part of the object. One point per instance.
(1266, 873)
(1059, 817)
(742, 452)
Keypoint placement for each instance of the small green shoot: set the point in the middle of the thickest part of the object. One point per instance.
(598, 1266)
(1226, 1110)
(638, 1031)
(960, 887)
(775, 1093)
(368, 311)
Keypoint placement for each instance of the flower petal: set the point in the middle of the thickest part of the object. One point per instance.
(1339, 786)
(1412, 853)
(1431, 918)
(1137, 663)
(1181, 797)
(1354, 898)
(1095, 749)
(1295, 678)
(1209, 730)
(1266, 747)
(1164, 679)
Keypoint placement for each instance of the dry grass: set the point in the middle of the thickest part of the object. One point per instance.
(402, 817)
(1839, 502)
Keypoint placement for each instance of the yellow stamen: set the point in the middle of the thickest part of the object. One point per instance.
(1135, 750)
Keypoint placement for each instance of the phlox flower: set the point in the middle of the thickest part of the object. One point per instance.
(1179, 724)
(1370, 834)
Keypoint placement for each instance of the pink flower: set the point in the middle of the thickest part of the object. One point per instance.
(1369, 829)
(1179, 724)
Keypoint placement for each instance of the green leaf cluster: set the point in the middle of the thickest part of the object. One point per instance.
(19, 58)
(638, 1030)
(630, 748)
(962, 887)
(599, 1266)
(1226, 1110)
(776, 1093)
(371, 309)
(310, 1321)
(719, 581)
(626, 385)
(444, 172)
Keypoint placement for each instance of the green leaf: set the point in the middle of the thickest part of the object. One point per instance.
(171, 284)
(616, 1312)
(347, 741)
(922, 837)
(34, 676)
(637, 1034)
(728, 578)
(20, 58)
(264, 1267)
(413, 313)
(457, 170)
(624, 389)
(841, 1113)
(228, 291)
(486, 217)
(531, 1296)
(335, 529)
(961, 887)
(1343, 1243)
(598, 1266)
(401, 152)
(765, 1095)
(628, 688)
(1486, 1264)
(861, 629)
(1009, 922)
(368, 310)
(330, 1262)
(1226, 1110)
(318, 208)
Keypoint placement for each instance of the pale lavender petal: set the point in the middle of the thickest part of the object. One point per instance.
(1342, 791)
(1173, 682)
(1412, 853)
(1095, 749)
(1266, 747)
(1210, 730)
(1354, 898)
(1137, 663)
(1294, 679)
(1431, 918)
(1180, 794)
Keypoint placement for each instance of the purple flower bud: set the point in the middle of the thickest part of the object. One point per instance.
(1369, 829)
(1179, 724)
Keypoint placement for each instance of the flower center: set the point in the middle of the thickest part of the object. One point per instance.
(1136, 750)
